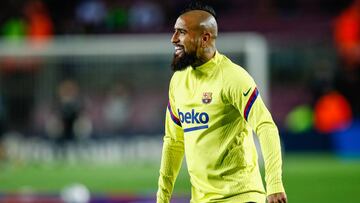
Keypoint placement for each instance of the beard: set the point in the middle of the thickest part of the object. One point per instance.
(182, 62)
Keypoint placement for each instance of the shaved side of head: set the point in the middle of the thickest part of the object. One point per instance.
(202, 21)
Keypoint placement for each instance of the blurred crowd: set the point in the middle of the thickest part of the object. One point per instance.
(43, 18)
(335, 82)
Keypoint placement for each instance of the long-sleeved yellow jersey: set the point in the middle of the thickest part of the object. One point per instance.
(211, 113)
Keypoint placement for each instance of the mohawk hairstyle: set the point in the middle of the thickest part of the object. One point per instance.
(197, 5)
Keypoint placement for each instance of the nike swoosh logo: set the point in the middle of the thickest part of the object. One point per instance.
(247, 92)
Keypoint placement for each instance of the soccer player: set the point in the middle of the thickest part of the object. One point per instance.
(214, 105)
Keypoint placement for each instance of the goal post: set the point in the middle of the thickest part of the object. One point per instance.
(252, 45)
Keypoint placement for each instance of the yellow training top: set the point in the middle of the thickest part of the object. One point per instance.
(211, 113)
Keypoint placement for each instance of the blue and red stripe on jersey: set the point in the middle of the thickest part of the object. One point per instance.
(172, 115)
(250, 103)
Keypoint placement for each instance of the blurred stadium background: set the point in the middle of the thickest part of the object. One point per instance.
(83, 91)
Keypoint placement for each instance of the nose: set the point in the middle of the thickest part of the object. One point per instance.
(175, 38)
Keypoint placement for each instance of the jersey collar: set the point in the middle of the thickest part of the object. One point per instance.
(209, 67)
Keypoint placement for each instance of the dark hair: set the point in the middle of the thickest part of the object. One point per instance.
(196, 5)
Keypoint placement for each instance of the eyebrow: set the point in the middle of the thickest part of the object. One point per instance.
(179, 29)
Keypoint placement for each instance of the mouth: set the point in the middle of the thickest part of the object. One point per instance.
(179, 50)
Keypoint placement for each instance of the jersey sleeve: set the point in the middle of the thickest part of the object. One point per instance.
(240, 90)
(172, 152)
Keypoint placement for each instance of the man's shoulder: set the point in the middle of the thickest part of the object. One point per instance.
(232, 70)
(230, 66)
(234, 75)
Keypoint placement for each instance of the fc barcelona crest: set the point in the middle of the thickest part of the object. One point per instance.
(207, 97)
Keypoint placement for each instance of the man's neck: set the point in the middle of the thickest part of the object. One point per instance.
(207, 56)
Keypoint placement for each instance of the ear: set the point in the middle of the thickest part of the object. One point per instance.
(205, 38)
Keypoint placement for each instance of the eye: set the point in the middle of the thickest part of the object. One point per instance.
(183, 32)
(180, 31)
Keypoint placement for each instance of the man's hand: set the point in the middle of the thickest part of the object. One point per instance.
(277, 198)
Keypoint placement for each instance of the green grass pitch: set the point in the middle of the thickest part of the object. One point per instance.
(307, 178)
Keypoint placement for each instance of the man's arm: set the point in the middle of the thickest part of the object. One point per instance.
(172, 154)
(242, 92)
(260, 120)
